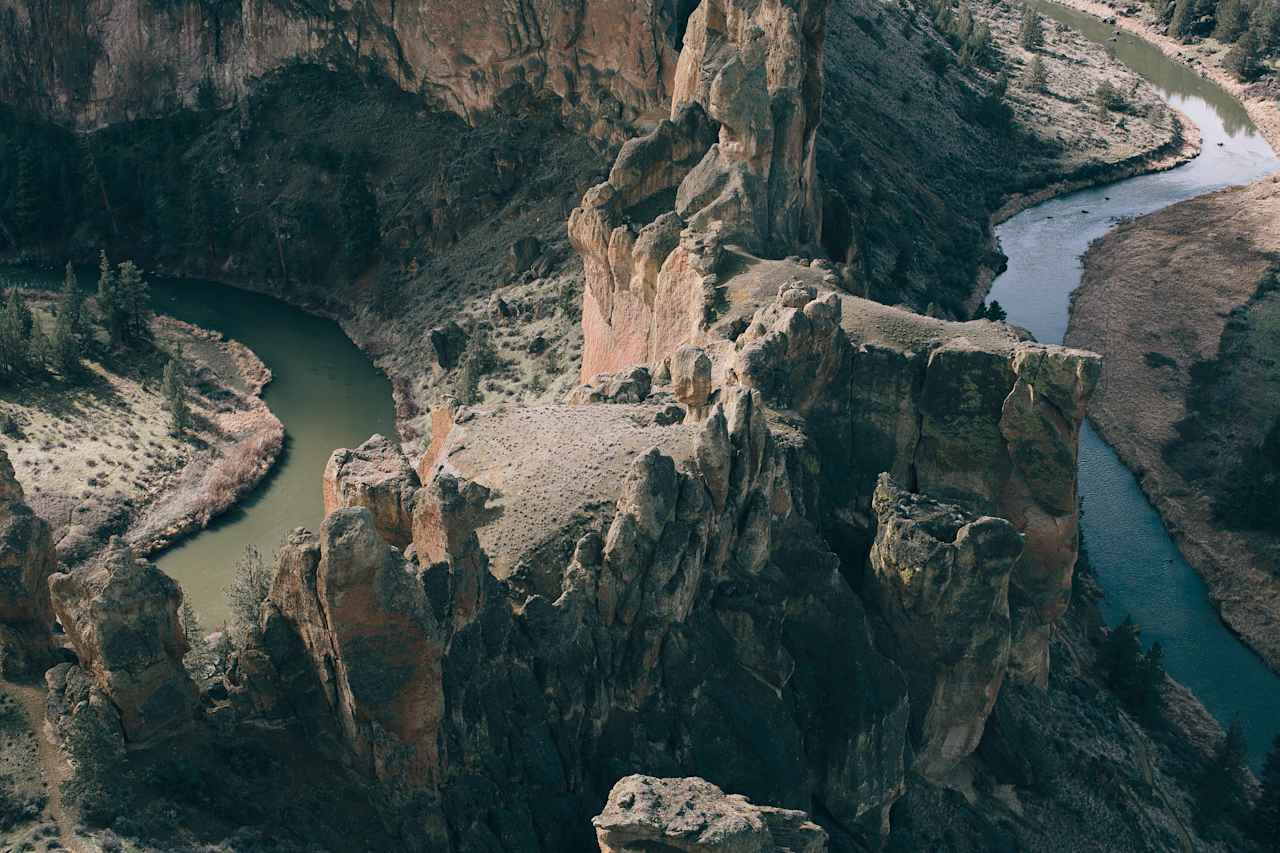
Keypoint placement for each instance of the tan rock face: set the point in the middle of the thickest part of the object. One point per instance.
(692, 815)
(738, 157)
(940, 579)
(703, 590)
(757, 69)
(610, 62)
(374, 642)
(121, 615)
(26, 562)
(375, 476)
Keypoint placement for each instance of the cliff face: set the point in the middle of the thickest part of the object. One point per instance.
(26, 562)
(692, 632)
(667, 573)
(93, 62)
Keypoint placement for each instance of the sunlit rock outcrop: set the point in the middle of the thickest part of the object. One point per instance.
(694, 816)
(26, 562)
(121, 616)
(939, 578)
(699, 624)
(375, 476)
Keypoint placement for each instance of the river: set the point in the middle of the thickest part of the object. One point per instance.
(324, 390)
(1136, 561)
(326, 393)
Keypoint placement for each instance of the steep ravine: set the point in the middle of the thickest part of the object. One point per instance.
(1137, 563)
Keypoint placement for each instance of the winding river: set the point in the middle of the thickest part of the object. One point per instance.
(324, 390)
(326, 393)
(1137, 563)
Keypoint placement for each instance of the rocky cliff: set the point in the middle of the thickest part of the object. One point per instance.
(121, 617)
(26, 562)
(666, 574)
(609, 63)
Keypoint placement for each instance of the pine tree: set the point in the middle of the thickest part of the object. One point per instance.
(1264, 824)
(1220, 791)
(1135, 676)
(68, 344)
(15, 336)
(109, 300)
(1036, 78)
(1232, 20)
(1244, 60)
(133, 302)
(359, 212)
(174, 388)
(1031, 32)
(26, 200)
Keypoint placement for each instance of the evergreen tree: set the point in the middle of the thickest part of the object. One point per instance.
(133, 299)
(358, 209)
(1232, 20)
(1031, 31)
(173, 386)
(26, 199)
(1134, 675)
(68, 331)
(109, 301)
(1036, 78)
(995, 311)
(1264, 825)
(15, 336)
(1244, 60)
(1220, 791)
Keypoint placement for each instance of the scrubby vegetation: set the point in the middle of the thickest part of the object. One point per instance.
(1251, 26)
(1134, 674)
(1230, 437)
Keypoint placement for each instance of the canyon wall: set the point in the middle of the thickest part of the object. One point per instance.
(92, 62)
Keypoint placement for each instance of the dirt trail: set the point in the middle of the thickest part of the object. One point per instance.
(54, 769)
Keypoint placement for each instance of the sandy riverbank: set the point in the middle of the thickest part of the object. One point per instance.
(98, 457)
(1170, 301)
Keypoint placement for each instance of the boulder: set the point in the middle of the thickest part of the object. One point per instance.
(121, 616)
(448, 343)
(694, 816)
(375, 476)
(939, 577)
(690, 371)
(26, 562)
(631, 386)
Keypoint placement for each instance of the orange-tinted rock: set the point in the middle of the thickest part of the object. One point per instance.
(375, 476)
(26, 562)
(121, 616)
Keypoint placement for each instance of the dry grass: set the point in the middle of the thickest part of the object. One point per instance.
(99, 457)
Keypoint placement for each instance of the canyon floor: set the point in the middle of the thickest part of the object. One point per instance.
(1177, 302)
(99, 455)
(1179, 305)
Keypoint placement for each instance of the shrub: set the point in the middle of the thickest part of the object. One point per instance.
(250, 584)
(1108, 98)
(1036, 78)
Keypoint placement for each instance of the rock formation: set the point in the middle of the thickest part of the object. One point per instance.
(375, 476)
(940, 580)
(687, 626)
(662, 574)
(694, 816)
(610, 63)
(121, 616)
(26, 562)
